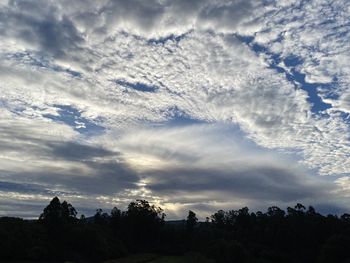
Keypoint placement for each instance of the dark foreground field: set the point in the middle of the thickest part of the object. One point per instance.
(153, 258)
(148, 258)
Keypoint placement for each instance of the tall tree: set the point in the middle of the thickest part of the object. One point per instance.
(58, 213)
(191, 220)
(143, 222)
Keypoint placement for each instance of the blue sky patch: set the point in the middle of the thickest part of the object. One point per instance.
(137, 86)
(293, 76)
(162, 40)
(178, 117)
(72, 117)
(40, 61)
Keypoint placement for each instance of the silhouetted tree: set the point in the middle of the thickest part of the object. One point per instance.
(302, 235)
(59, 219)
(143, 221)
(345, 217)
(219, 218)
(191, 221)
(276, 212)
(58, 213)
(101, 217)
(116, 219)
(142, 210)
(116, 213)
(298, 210)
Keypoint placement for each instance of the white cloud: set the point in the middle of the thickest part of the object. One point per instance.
(206, 165)
(316, 32)
(209, 76)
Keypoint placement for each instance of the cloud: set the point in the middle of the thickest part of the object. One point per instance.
(32, 151)
(40, 27)
(174, 166)
(159, 19)
(214, 165)
(264, 183)
(317, 34)
(52, 28)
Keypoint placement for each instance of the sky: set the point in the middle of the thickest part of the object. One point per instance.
(189, 104)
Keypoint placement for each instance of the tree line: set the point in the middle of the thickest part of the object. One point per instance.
(298, 234)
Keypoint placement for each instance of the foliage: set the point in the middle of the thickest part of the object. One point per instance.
(58, 213)
(191, 221)
(298, 234)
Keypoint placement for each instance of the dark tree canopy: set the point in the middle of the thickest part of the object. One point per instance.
(191, 221)
(57, 212)
(300, 235)
(141, 209)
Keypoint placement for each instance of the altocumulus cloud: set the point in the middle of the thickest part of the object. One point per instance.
(198, 104)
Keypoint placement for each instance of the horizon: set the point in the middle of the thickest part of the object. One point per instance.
(191, 105)
(108, 211)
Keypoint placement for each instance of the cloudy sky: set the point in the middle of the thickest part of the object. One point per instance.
(190, 104)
